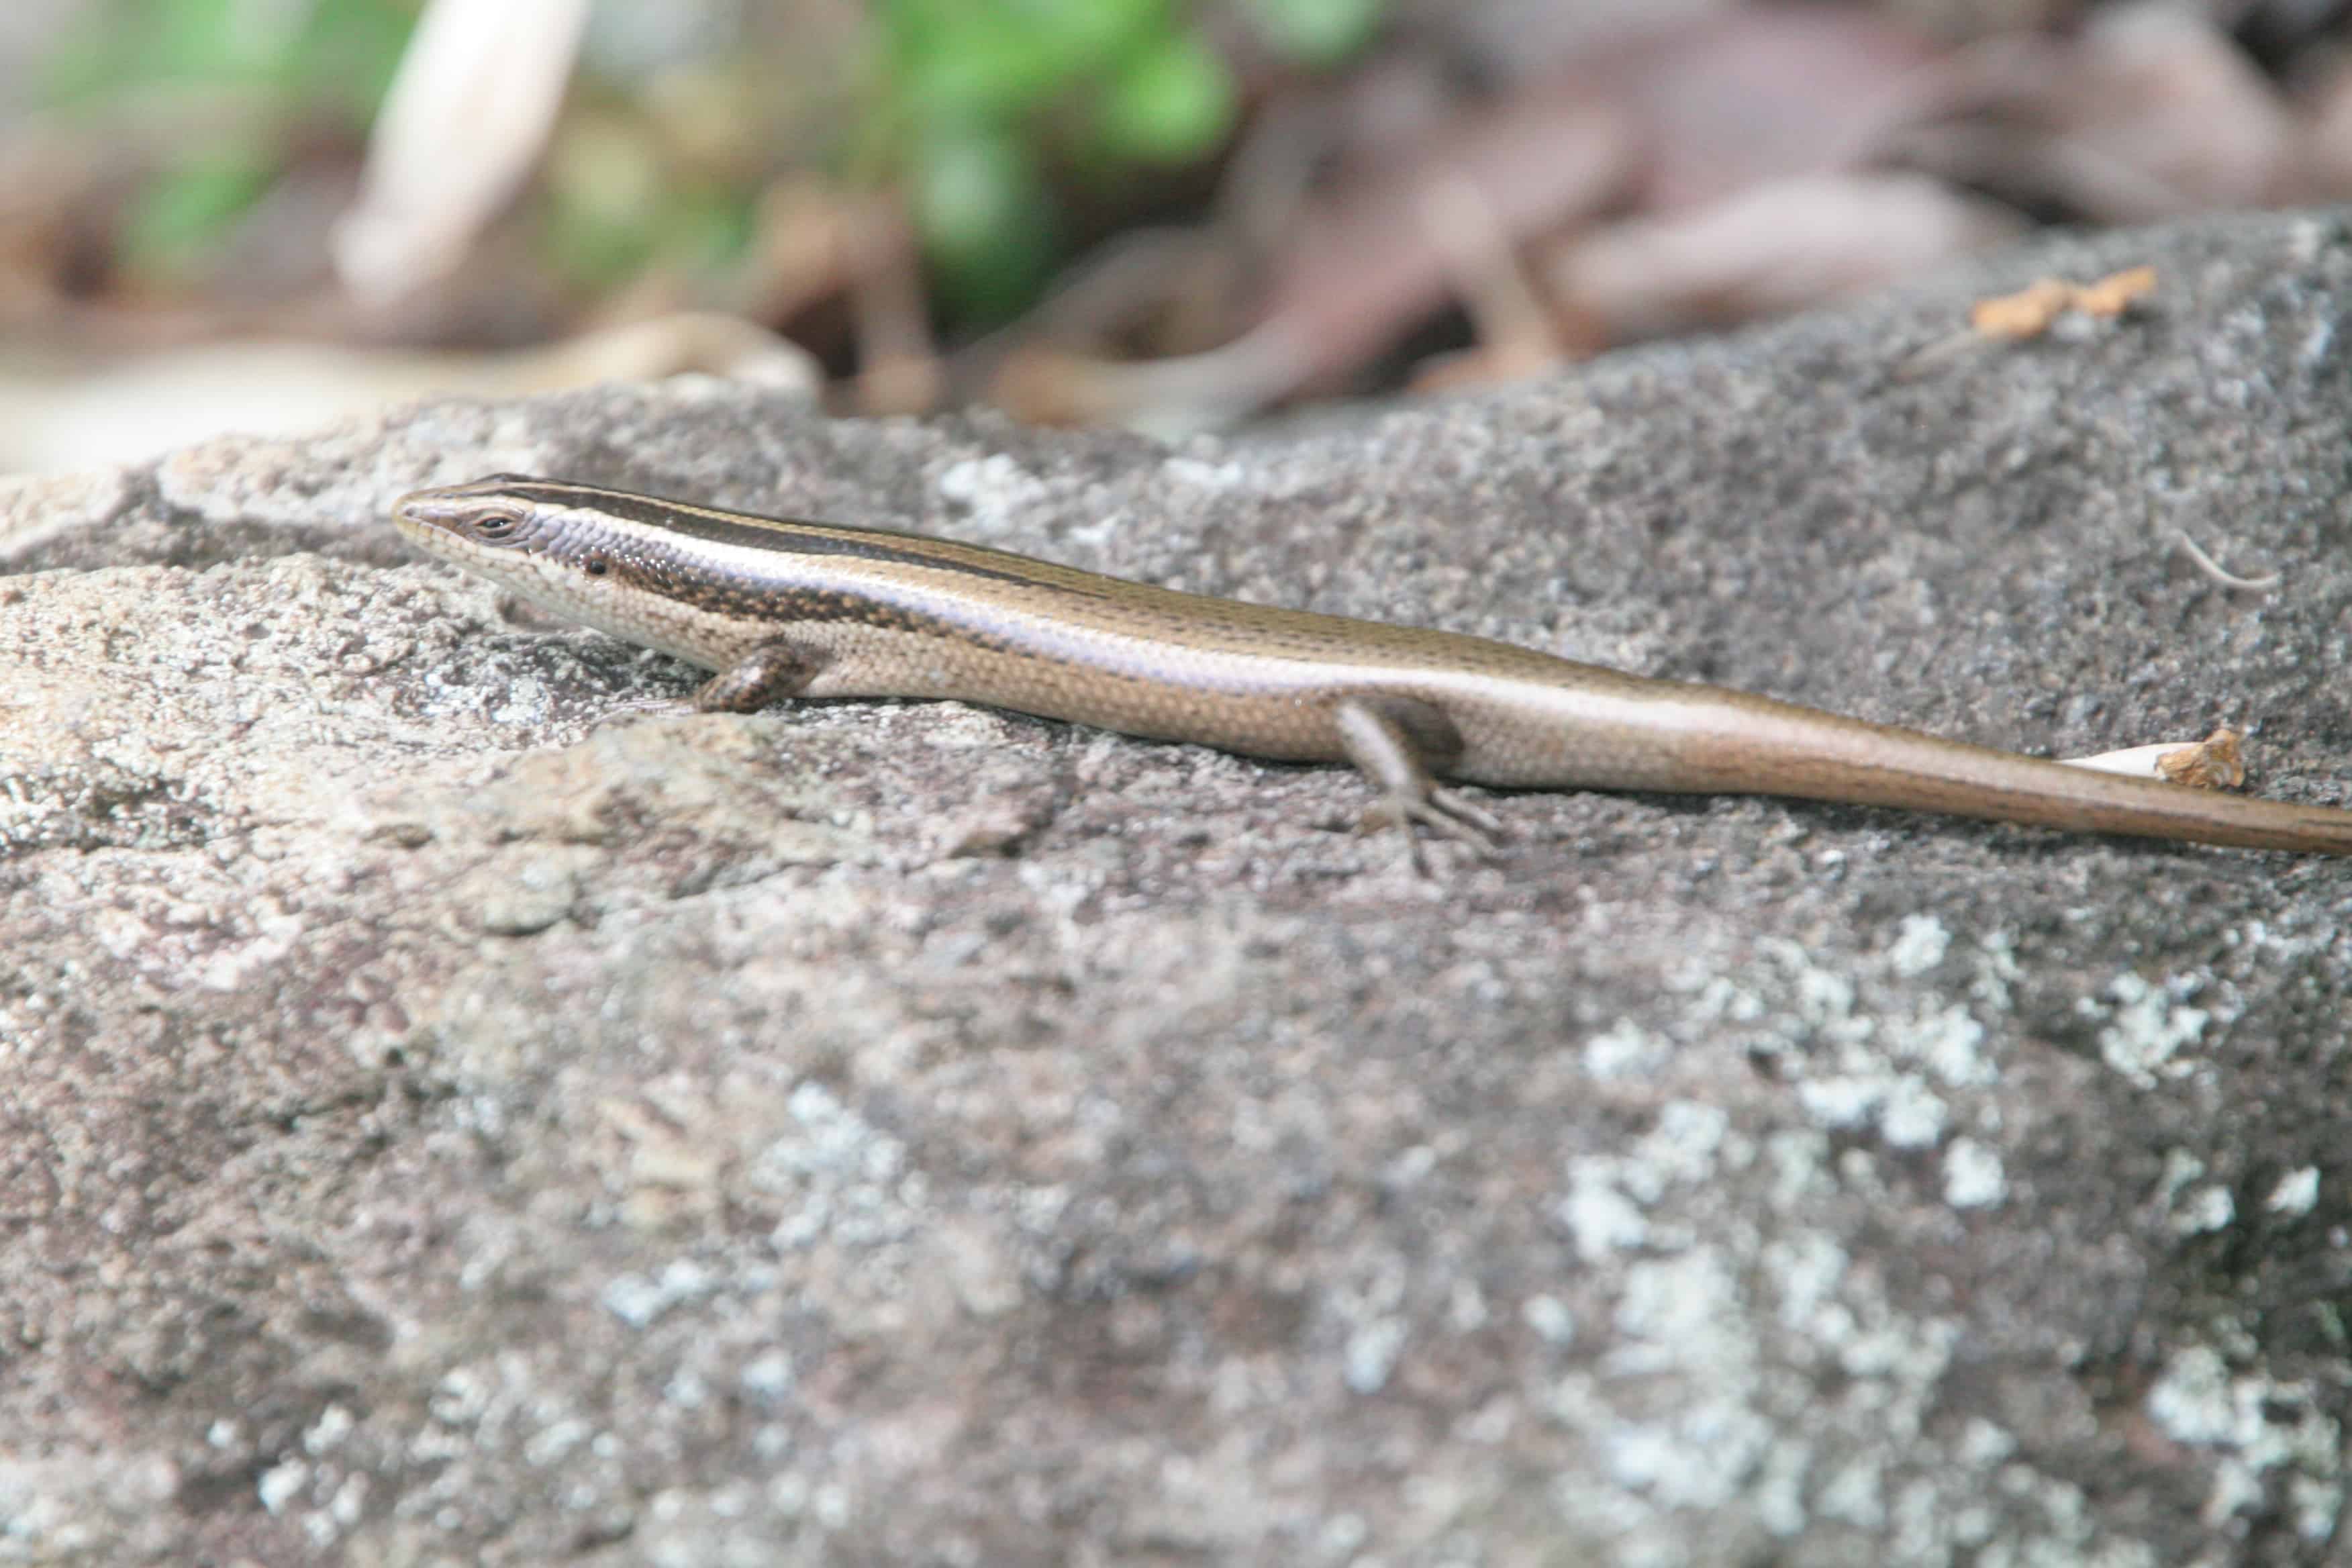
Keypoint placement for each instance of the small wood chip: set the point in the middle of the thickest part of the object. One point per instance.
(2029, 312)
(2216, 762)
(2012, 318)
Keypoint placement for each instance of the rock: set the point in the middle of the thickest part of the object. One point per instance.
(447, 1118)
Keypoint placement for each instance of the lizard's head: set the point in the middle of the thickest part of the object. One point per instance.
(546, 540)
(463, 523)
(618, 561)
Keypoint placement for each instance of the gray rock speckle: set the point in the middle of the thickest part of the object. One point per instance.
(447, 1116)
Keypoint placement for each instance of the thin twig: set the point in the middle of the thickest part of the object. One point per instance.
(2213, 569)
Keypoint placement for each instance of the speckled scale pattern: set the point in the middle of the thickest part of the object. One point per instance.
(877, 614)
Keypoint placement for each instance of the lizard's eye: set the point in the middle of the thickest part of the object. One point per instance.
(495, 526)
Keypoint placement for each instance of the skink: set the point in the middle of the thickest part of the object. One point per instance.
(785, 608)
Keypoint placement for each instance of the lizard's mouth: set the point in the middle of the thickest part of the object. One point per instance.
(426, 512)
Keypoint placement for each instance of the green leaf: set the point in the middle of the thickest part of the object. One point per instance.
(1170, 104)
(185, 212)
(980, 62)
(986, 220)
(996, 59)
(346, 55)
(593, 247)
(1096, 32)
(707, 228)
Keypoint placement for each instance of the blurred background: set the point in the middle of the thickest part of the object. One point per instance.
(1171, 214)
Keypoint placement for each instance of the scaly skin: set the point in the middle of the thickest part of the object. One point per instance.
(783, 608)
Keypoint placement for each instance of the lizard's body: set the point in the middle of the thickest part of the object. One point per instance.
(788, 608)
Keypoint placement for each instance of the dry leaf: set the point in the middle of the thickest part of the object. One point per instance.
(1773, 248)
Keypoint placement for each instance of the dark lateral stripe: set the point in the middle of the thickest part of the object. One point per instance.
(780, 609)
(789, 536)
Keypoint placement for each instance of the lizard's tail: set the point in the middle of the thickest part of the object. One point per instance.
(1813, 755)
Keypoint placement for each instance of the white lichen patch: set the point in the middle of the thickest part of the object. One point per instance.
(1713, 1331)
(1689, 1145)
(1919, 946)
(2202, 1210)
(1911, 1116)
(327, 1433)
(2149, 1029)
(1601, 1218)
(1711, 1322)
(1371, 1354)
(1550, 1317)
(1205, 476)
(839, 1176)
(1624, 1050)
(2192, 1208)
(1913, 1077)
(638, 1299)
(996, 491)
(1973, 1175)
(1748, 1366)
(2265, 1429)
(2297, 1194)
(280, 1484)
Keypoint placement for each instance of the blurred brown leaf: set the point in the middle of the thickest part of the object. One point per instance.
(1777, 247)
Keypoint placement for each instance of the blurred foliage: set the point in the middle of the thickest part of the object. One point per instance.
(332, 56)
(981, 101)
(269, 64)
(1320, 33)
(617, 200)
(180, 216)
(982, 113)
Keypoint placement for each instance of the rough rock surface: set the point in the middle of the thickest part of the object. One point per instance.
(440, 1126)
